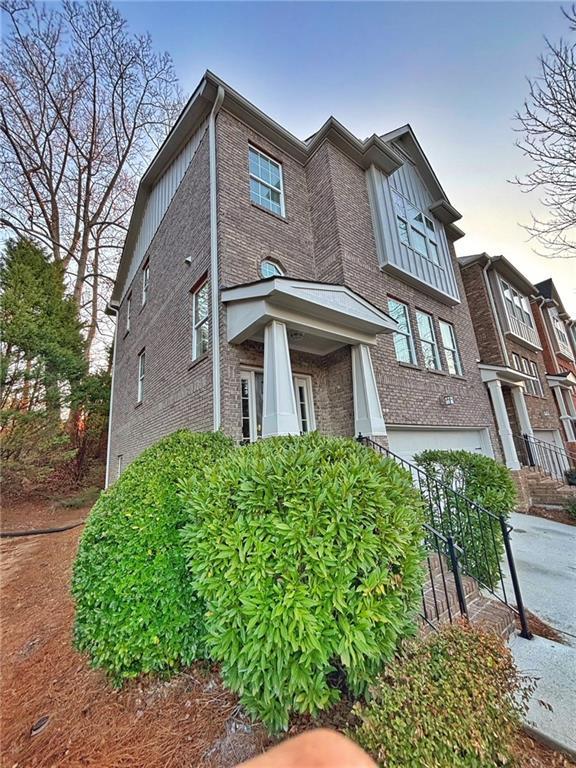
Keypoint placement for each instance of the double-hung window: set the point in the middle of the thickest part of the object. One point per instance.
(200, 302)
(128, 311)
(517, 305)
(403, 340)
(266, 184)
(145, 282)
(428, 340)
(416, 230)
(533, 384)
(560, 332)
(451, 351)
(141, 373)
(537, 381)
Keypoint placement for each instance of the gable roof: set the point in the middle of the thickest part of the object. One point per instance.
(503, 266)
(548, 291)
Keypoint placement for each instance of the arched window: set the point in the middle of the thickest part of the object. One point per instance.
(269, 268)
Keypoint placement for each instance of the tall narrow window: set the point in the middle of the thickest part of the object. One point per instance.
(145, 281)
(141, 372)
(403, 341)
(537, 381)
(451, 351)
(428, 340)
(128, 311)
(119, 471)
(200, 301)
(266, 185)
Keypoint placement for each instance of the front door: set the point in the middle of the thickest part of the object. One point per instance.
(252, 391)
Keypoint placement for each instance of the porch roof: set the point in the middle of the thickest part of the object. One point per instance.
(502, 373)
(320, 316)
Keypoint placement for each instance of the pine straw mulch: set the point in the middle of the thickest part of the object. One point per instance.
(190, 720)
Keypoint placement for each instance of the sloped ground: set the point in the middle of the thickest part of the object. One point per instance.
(188, 721)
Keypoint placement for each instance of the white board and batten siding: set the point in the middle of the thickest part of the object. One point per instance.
(392, 252)
(160, 198)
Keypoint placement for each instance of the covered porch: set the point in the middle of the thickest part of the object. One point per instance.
(318, 322)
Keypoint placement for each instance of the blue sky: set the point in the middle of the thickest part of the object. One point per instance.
(455, 71)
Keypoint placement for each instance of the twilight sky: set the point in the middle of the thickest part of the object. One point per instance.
(455, 71)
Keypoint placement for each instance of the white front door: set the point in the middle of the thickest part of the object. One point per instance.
(252, 389)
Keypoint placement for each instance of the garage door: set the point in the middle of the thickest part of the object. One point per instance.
(547, 435)
(406, 442)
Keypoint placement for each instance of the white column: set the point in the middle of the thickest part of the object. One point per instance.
(368, 418)
(565, 416)
(503, 424)
(279, 415)
(522, 411)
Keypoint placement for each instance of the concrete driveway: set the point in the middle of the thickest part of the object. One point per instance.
(545, 557)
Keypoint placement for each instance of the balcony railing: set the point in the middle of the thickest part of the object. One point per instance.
(557, 462)
(523, 331)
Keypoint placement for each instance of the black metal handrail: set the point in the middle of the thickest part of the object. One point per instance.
(547, 457)
(479, 533)
(443, 569)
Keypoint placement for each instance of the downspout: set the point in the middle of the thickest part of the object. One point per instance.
(214, 275)
(495, 313)
(111, 311)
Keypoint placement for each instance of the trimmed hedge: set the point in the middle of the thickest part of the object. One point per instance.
(136, 610)
(485, 482)
(453, 701)
(307, 551)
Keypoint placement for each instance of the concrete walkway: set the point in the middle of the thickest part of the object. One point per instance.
(545, 557)
(553, 703)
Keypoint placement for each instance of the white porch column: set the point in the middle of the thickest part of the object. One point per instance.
(522, 411)
(368, 418)
(503, 424)
(279, 415)
(565, 416)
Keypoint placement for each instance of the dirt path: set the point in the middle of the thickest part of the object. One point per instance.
(188, 721)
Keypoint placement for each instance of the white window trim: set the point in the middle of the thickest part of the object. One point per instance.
(455, 349)
(198, 324)
(559, 326)
(424, 231)
(273, 263)
(119, 467)
(408, 334)
(433, 343)
(249, 375)
(537, 380)
(525, 331)
(265, 183)
(141, 374)
(145, 282)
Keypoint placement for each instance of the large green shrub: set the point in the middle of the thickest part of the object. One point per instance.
(488, 484)
(452, 701)
(136, 610)
(307, 552)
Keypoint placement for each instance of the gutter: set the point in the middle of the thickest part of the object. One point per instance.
(495, 312)
(214, 273)
(113, 311)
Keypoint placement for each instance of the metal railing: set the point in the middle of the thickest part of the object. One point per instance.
(443, 578)
(547, 457)
(481, 537)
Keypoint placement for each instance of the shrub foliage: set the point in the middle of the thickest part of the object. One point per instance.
(453, 701)
(307, 552)
(485, 482)
(136, 610)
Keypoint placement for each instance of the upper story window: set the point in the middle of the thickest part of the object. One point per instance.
(451, 351)
(145, 281)
(519, 314)
(403, 339)
(141, 372)
(416, 230)
(266, 185)
(128, 311)
(428, 340)
(560, 332)
(269, 268)
(200, 300)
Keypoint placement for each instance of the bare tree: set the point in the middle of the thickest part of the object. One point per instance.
(83, 103)
(548, 124)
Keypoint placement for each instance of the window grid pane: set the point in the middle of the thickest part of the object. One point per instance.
(403, 343)
(428, 341)
(200, 310)
(266, 182)
(451, 351)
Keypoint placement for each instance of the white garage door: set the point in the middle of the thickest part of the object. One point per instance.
(547, 435)
(406, 442)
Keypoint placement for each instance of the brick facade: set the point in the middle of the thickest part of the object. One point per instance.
(326, 235)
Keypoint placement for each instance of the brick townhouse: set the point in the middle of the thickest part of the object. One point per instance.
(270, 285)
(558, 337)
(514, 363)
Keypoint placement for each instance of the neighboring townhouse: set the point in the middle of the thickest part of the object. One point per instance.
(512, 362)
(271, 286)
(558, 336)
